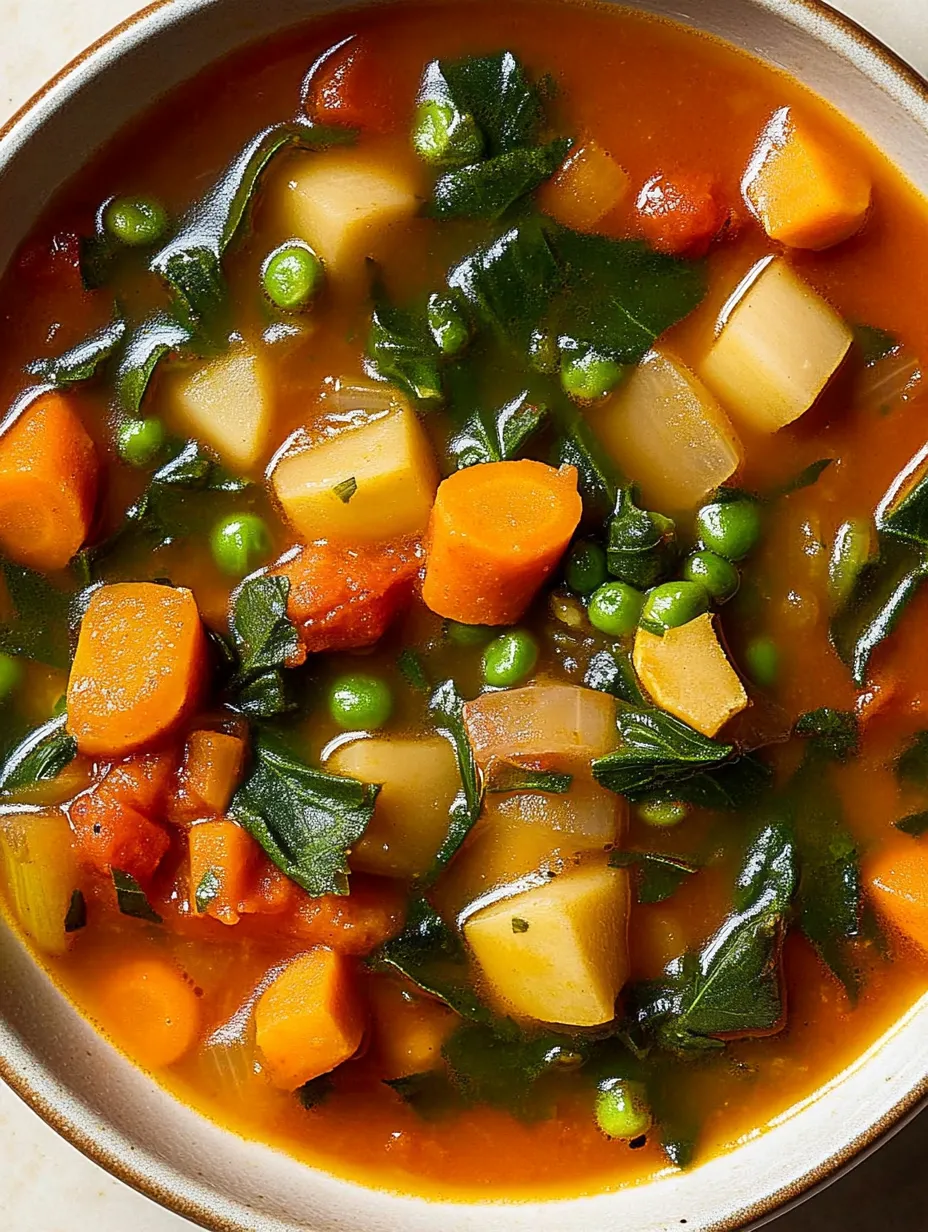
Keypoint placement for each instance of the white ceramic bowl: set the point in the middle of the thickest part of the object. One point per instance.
(119, 1117)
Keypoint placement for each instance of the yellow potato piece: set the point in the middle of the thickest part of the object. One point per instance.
(419, 780)
(687, 673)
(340, 201)
(542, 720)
(667, 432)
(558, 952)
(388, 462)
(587, 187)
(227, 404)
(778, 346)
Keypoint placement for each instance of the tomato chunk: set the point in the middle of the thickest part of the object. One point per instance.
(353, 924)
(110, 833)
(681, 214)
(349, 85)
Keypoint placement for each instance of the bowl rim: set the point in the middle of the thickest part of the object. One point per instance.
(821, 22)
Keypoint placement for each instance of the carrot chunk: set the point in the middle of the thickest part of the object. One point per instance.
(897, 878)
(348, 85)
(109, 833)
(681, 214)
(803, 192)
(588, 186)
(48, 484)
(223, 857)
(343, 598)
(352, 924)
(150, 1010)
(497, 530)
(138, 667)
(310, 1019)
(212, 768)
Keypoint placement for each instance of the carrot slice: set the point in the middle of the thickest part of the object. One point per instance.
(222, 859)
(150, 1009)
(48, 484)
(497, 530)
(138, 668)
(897, 878)
(310, 1019)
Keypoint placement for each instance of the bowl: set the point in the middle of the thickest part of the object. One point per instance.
(114, 1113)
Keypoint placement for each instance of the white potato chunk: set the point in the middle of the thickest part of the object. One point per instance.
(778, 346)
(341, 200)
(40, 874)
(419, 780)
(542, 721)
(667, 432)
(558, 952)
(227, 404)
(366, 483)
(688, 674)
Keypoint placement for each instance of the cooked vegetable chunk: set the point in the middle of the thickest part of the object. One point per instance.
(668, 434)
(496, 532)
(542, 721)
(588, 186)
(138, 666)
(309, 1019)
(228, 404)
(779, 344)
(341, 201)
(111, 832)
(408, 1031)
(213, 764)
(48, 484)
(150, 1009)
(681, 213)
(566, 959)
(223, 858)
(40, 873)
(803, 191)
(367, 483)
(897, 880)
(687, 673)
(419, 780)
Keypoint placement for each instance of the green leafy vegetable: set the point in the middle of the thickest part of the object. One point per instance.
(39, 627)
(505, 776)
(446, 707)
(402, 350)
(611, 671)
(498, 1065)
(265, 640)
(157, 337)
(833, 734)
(656, 751)
(76, 916)
(346, 489)
(315, 1092)
(498, 436)
(658, 875)
(731, 787)
(208, 889)
(641, 546)
(912, 763)
(494, 89)
(131, 898)
(576, 444)
(83, 361)
(915, 824)
(41, 756)
(804, 479)
(874, 344)
(413, 671)
(490, 189)
(306, 820)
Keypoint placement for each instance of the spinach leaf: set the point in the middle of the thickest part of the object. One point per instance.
(41, 756)
(82, 361)
(658, 875)
(38, 625)
(402, 350)
(208, 889)
(833, 734)
(804, 479)
(611, 671)
(489, 189)
(655, 753)
(447, 708)
(306, 820)
(413, 670)
(912, 763)
(641, 546)
(346, 489)
(576, 444)
(498, 1065)
(157, 337)
(506, 776)
(874, 344)
(76, 916)
(430, 1093)
(131, 898)
(498, 436)
(315, 1092)
(494, 89)
(916, 824)
(266, 641)
(677, 1112)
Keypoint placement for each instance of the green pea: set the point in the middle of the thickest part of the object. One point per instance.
(140, 441)
(11, 673)
(762, 661)
(291, 276)
(360, 702)
(854, 546)
(509, 658)
(719, 576)
(673, 604)
(729, 528)
(135, 221)
(622, 1109)
(447, 324)
(444, 136)
(468, 635)
(239, 543)
(615, 609)
(585, 567)
(662, 812)
(589, 377)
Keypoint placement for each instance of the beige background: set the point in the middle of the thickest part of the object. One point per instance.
(45, 1185)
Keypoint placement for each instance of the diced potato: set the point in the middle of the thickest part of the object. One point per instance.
(419, 781)
(586, 188)
(558, 952)
(688, 674)
(804, 192)
(394, 476)
(340, 201)
(409, 1031)
(668, 433)
(227, 404)
(40, 872)
(779, 345)
(897, 879)
(563, 721)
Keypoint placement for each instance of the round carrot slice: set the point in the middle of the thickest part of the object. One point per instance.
(150, 1010)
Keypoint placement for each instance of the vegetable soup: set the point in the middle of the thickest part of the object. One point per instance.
(463, 514)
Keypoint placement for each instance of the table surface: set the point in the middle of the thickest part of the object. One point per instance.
(46, 1185)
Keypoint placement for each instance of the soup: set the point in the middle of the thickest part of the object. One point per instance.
(462, 510)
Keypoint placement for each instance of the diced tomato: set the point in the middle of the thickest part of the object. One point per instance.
(112, 834)
(349, 85)
(271, 892)
(54, 262)
(681, 214)
(343, 598)
(354, 924)
(141, 781)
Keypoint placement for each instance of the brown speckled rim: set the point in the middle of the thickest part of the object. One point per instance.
(824, 24)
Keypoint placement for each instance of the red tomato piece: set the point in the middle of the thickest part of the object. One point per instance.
(681, 214)
(349, 85)
(111, 834)
(141, 781)
(350, 924)
(54, 262)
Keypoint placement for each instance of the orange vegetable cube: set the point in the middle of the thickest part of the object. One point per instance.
(212, 768)
(224, 854)
(310, 1019)
(589, 185)
(409, 1031)
(150, 1009)
(109, 833)
(897, 879)
(352, 924)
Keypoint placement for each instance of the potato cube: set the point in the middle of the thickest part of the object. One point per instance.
(367, 483)
(688, 674)
(340, 201)
(562, 721)
(778, 346)
(227, 404)
(804, 192)
(589, 185)
(558, 952)
(419, 781)
(668, 433)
